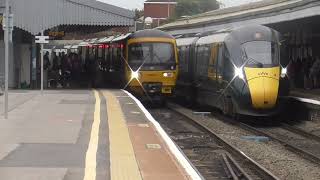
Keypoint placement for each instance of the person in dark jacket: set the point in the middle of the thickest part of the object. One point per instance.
(315, 72)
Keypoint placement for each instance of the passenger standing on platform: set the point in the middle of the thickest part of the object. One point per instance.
(46, 61)
(55, 63)
(46, 66)
(315, 72)
(59, 59)
(299, 73)
(76, 67)
(292, 73)
(306, 73)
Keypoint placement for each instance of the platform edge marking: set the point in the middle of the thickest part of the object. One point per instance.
(190, 170)
(123, 164)
(91, 154)
(306, 100)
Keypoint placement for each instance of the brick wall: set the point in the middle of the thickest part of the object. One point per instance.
(158, 10)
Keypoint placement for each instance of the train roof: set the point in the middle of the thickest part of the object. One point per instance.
(186, 41)
(151, 33)
(214, 38)
(121, 37)
(255, 33)
(241, 35)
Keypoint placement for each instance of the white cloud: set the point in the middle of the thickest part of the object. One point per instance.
(229, 3)
(128, 4)
(133, 4)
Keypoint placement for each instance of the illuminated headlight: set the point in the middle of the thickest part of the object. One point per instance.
(134, 75)
(283, 72)
(167, 74)
(239, 73)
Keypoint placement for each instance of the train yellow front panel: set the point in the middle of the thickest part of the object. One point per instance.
(155, 76)
(264, 86)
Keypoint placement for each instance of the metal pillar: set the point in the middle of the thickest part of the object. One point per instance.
(41, 54)
(8, 26)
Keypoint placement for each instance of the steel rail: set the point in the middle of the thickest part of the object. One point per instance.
(229, 147)
(300, 132)
(307, 155)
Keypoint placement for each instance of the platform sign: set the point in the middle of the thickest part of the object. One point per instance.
(42, 39)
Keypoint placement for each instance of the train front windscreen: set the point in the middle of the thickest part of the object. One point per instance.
(261, 54)
(151, 56)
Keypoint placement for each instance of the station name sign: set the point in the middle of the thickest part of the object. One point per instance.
(56, 33)
(42, 39)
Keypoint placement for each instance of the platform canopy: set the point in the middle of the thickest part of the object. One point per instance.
(35, 16)
(261, 12)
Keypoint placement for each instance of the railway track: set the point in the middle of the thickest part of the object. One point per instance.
(301, 132)
(210, 154)
(296, 141)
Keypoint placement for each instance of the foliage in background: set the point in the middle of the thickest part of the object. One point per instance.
(193, 7)
(139, 13)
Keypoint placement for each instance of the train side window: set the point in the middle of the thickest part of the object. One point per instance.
(183, 66)
(198, 59)
(227, 74)
(187, 58)
(203, 60)
(220, 61)
(100, 53)
(212, 62)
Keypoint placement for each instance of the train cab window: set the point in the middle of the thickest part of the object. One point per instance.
(153, 56)
(261, 53)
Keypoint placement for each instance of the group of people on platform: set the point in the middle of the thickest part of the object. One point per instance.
(304, 72)
(63, 65)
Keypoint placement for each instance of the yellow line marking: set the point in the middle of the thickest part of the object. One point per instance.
(123, 164)
(91, 154)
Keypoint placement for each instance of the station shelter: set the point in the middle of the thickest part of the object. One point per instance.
(59, 19)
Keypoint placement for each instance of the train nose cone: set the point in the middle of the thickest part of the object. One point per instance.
(264, 86)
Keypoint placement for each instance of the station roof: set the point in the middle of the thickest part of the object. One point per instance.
(35, 16)
(262, 12)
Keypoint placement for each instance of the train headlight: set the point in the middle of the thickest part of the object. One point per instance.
(239, 72)
(134, 75)
(169, 75)
(283, 72)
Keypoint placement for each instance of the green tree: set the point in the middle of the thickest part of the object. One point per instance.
(138, 13)
(192, 7)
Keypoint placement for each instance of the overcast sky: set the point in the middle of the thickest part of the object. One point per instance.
(133, 4)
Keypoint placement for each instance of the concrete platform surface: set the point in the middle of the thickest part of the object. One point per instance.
(82, 134)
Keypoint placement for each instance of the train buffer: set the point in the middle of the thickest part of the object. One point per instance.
(85, 135)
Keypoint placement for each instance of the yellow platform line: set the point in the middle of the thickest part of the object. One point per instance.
(123, 164)
(91, 154)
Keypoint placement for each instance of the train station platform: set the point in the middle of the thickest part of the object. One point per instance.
(307, 96)
(89, 135)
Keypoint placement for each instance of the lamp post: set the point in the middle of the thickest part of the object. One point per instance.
(7, 27)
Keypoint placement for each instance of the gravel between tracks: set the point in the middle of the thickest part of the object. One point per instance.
(270, 154)
(310, 127)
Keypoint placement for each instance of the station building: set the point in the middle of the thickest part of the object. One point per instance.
(56, 18)
(159, 10)
(297, 20)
